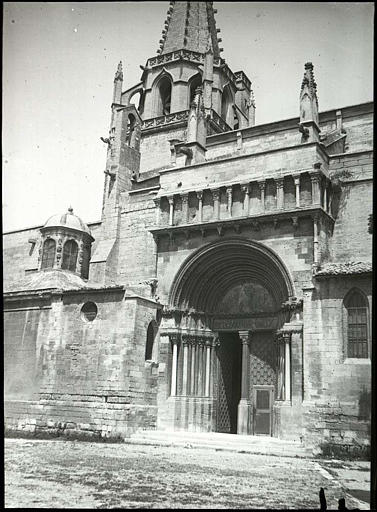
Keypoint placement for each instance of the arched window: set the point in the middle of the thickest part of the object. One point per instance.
(226, 103)
(151, 334)
(195, 82)
(356, 308)
(70, 251)
(163, 97)
(85, 262)
(48, 254)
(130, 129)
(236, 122)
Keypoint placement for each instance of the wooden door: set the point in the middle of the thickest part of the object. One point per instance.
(263, 399)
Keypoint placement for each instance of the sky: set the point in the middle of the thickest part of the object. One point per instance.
(59, 61)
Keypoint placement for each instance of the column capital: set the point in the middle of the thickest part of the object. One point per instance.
(245, 188)
(296, 178)
(170, 199)
(229, 189)
(184, 197)
(262, 184)
(279, 182)
(174, 337)
(215, 194)
(245, 337)
(283, 336)
(315, 175)
(157, 201)
(199, 194)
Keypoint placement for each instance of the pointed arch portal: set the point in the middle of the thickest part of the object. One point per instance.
(236, 287)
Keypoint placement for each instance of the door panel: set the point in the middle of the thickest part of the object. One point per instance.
(263, 401)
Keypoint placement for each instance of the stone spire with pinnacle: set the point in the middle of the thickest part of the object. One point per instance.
(189, 26)
(309, 119)
(308, 96)
(118, 83)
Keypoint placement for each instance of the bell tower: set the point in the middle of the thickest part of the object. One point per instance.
(188, 58)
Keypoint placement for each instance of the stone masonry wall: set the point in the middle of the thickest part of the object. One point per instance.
(337, 388)
(91, 377)
(155, 148)
(351, 240)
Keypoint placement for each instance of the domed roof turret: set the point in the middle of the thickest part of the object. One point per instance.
(67, 220)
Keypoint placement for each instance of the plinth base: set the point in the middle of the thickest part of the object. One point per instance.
(243, 417)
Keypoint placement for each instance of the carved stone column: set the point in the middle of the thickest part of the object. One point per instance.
(246, 201)
(262, 187)
(229, 194)
(208, 367)
(185, 390)
(185, 210)
(157, 202)
(199, 372)
(171, 210)
(325, 196)
(287, 365)
(200, 207)
(296, 179)
(316, 240)
(192, 373)
(315, 177)
(243, 417)
(173, 388)
(279, 193)
(216, 203)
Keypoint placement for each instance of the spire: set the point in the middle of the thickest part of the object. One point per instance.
(190, 26)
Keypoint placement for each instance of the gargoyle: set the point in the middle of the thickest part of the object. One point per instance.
(303, 130)
(106, 140)
(186, 151)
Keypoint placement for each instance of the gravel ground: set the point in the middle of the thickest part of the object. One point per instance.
(66, 474)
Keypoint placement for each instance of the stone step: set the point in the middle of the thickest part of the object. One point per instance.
(263, 445)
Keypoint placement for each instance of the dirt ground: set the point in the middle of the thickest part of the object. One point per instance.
(66, 474)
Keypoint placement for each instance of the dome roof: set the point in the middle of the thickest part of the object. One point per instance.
(67, 220)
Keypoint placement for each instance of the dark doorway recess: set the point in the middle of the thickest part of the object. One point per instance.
(229, 392)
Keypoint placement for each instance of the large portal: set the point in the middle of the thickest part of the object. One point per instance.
(226, 303)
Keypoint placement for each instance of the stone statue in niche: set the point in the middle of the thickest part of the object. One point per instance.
(247, 299)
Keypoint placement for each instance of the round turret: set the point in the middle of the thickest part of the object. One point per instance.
(66, 244)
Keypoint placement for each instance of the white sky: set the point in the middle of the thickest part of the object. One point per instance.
(59, 60)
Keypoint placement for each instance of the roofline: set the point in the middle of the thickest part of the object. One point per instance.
(292, 122)
(42, 226)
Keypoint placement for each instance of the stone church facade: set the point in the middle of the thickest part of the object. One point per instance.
(227, 286)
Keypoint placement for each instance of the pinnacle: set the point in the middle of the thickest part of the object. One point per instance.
(70, 210)
(119, 72)
(308, 79)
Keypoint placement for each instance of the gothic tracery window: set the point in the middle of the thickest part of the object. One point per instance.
(357, 325)
(69, 260)
(164, 97)
(195, 82)
(130, 129)
(48, 254)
